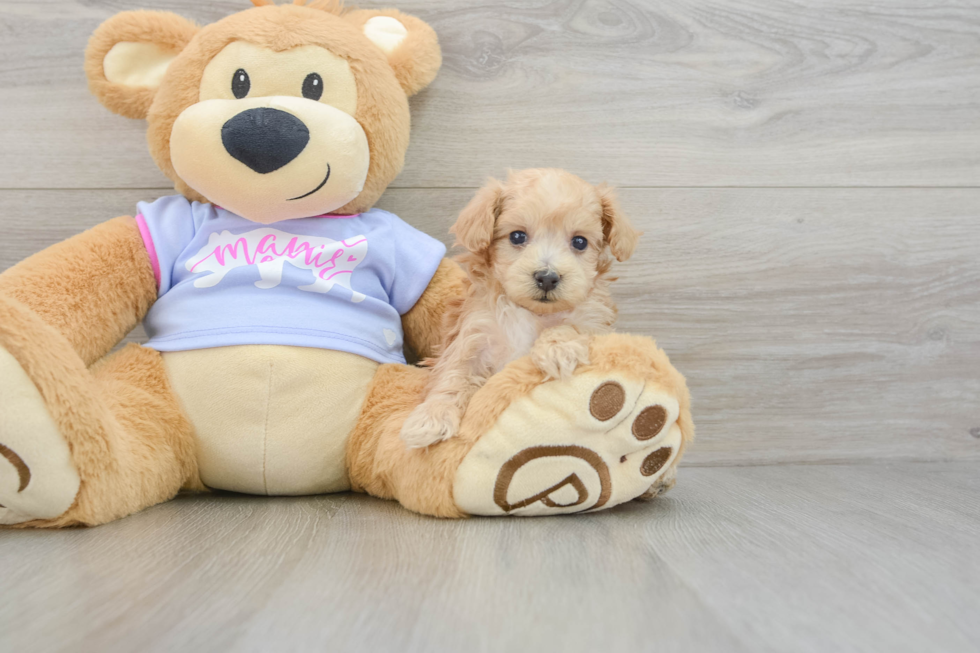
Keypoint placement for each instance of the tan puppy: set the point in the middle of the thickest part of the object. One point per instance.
(538, 252)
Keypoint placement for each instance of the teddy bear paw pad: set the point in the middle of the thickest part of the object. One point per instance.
(587, 443)
(38, 479)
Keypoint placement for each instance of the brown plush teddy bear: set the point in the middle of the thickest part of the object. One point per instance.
(277, 303)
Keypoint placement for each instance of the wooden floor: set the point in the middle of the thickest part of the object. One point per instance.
(808, 179)
(778, 558)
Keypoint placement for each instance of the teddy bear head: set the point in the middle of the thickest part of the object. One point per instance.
(273, 113)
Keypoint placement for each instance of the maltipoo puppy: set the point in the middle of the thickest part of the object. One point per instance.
(539, 248)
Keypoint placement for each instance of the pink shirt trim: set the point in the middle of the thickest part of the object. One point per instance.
(150, 248)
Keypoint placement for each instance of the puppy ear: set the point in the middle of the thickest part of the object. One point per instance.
(474, 227)
(128, 56)
(411, 46)
(617, 231)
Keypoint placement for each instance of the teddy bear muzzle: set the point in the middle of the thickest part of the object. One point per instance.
(272, 158)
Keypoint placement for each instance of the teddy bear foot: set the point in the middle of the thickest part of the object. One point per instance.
(588, 443)
(38, 479)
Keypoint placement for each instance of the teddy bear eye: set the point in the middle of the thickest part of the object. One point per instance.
(518, 237)
(579, 243)
(240, 83)
(313, 87)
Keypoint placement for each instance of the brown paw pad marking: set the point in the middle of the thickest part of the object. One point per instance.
(607, 400)
(649, 422)
(652, 463)
(22, 470)
(510, 468)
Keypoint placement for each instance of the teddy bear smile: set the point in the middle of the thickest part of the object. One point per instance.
(322, 184)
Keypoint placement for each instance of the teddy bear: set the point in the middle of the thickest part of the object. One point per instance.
(278, 303)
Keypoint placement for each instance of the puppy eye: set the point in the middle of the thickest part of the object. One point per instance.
(240, 83)
(579, 243)
(313, 87)
(518, 237)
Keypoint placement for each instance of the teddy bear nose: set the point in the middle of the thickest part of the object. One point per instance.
(547, 280)
(265, 139)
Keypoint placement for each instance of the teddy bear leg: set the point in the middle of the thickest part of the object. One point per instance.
(380, 463)
(80, 446)
(613, 432)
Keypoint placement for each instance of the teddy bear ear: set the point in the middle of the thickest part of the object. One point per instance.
(411, 46)
(128, 56)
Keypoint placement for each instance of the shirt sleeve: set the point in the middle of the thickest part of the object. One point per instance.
(167, 227)
(417, 257)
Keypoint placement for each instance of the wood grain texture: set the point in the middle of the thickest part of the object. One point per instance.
(834, 324)
(785, 558)
(643, 93)
(813, 325)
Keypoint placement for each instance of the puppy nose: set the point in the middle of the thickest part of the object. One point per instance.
(547, 280)
(265, 139)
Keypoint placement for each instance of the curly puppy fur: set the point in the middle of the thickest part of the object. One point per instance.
(539, 249)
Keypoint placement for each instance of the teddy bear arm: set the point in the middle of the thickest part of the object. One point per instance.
(93, 288)
(425, 325)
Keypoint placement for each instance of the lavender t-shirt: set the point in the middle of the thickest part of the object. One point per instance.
(327, 282)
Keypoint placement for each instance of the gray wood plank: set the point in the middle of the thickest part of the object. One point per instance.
(831, 558)
(812, 325)
(784, 558)
(643, 93)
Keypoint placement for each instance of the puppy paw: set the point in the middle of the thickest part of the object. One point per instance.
(558, 352)
(429, 423)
